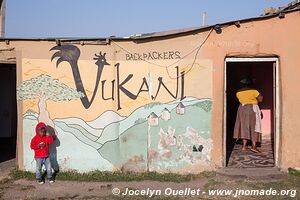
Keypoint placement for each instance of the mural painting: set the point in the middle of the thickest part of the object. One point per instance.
(119, 119)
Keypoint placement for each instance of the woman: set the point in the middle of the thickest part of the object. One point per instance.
(248, 119)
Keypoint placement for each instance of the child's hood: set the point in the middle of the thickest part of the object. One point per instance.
(39, 125)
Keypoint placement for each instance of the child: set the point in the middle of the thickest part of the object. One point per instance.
(40, 144)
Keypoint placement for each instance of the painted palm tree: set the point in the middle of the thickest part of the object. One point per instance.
(71, 54)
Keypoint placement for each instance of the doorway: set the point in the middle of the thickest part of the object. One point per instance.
(8, 112)
(264, 72)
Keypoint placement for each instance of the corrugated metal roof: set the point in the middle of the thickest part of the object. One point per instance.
(293, 5)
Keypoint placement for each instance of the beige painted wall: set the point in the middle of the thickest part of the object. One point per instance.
(259, 38)
(256, 38)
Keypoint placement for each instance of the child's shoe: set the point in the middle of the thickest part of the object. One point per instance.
(51, 180)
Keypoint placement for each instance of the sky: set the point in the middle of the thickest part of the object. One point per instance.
(121, 18)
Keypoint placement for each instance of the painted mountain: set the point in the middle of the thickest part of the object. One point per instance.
(155, 136)
(158, 143)
(75, 140)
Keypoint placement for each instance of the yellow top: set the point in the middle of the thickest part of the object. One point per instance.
(247, 96)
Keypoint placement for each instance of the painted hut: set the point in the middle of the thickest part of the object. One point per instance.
(180, 109)
(153, 119)
(165, 114)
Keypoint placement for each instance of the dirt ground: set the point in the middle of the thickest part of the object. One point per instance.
(231, 179)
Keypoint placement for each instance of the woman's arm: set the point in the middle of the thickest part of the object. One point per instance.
(259, 98)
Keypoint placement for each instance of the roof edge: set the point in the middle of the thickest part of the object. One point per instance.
(162, 34)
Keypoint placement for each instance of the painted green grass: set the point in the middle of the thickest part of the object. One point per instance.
(99, 176)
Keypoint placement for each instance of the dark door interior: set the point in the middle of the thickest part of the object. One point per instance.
(8, 112)
(263, 73)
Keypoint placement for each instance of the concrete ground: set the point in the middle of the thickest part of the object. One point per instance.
(5, 168)
(226, 178)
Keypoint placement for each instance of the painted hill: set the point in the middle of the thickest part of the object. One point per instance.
(130, 148)
(106, 118)
(67, 151)
(113, 130)
(124, 136)
(75, 126)
(77, 122)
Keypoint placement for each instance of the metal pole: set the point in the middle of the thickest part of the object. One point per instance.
(2, 18)
(148, 147)
(204, 19)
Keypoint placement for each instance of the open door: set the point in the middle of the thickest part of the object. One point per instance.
(8, 112)
(263, 70)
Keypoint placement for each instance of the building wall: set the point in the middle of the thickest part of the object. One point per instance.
(113, 134)
(261, 38)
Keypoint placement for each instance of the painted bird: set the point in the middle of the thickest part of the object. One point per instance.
(70, 53)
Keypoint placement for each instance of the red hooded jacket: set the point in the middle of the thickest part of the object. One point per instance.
(41, 152)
